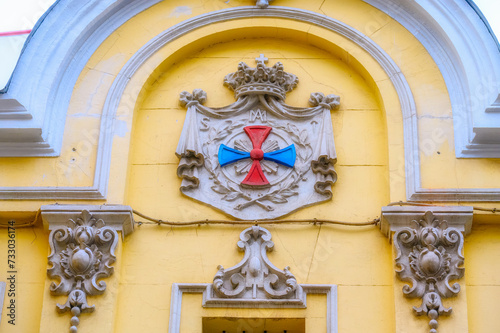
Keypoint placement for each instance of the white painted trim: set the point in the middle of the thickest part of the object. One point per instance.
(469, 59)
(451, 31)
(171, 34)
(12, 109)
(178, 289)
(394, 218)
(211, 300)
(69, 34)
(118, 217)
(411, 146)
(455, 195)
(331, 303)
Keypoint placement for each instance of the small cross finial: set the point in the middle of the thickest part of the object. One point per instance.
(262, 59)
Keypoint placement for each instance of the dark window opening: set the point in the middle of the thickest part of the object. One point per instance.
(253, 325)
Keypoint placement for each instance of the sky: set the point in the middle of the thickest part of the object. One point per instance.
(23, 14)
(16, 15)
(491, 9)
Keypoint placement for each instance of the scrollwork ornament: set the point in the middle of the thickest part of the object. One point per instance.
(255, 277)
(81, 253)
(197, 97)
(329, 101)
(258, 157)
(430, 255)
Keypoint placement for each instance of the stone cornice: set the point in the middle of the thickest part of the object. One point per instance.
(33, 105)
(118, 217)
(394, 218)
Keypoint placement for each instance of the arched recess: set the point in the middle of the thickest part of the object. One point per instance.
(407, 105)
(397, 93)
(458, 38)
(320, 64)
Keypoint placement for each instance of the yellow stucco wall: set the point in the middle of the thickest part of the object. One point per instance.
(482, 248)
(325, 255)
(76, 165)
(30, 264)
(368, 135)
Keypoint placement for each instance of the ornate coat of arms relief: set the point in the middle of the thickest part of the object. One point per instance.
(257, 158)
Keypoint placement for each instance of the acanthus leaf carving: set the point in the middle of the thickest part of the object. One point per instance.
(429, 254)
(82, 253)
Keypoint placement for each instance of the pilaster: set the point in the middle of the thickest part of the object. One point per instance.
(429, 266)
(81, 290)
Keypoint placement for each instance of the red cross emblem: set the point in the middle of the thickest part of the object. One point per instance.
(257, 134)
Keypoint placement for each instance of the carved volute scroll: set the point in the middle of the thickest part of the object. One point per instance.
(258, 157)
(82, 252)
(255, 279)
(428, 243)
(429, 254)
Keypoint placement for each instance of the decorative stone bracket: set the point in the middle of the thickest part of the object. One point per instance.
(428, 243)
(255, 280)
(82, 241)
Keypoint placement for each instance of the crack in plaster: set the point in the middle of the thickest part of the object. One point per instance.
(428, 116)
(313, 253)
(34, 232)
(200, 252)
(321, 7)
(81, 169)
(312, 78)
(381, 27)
(284, 247)
(96, 90)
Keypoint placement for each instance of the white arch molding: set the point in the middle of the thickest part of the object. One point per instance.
(468, 56)
(412, 170)
(33, 105)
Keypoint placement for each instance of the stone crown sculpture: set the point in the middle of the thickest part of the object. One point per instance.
(261, 80)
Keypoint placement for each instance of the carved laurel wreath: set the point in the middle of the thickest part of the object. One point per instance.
(285, 189)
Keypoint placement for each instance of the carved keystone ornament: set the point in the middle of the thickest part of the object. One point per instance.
(255, 280)
(258, 157)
